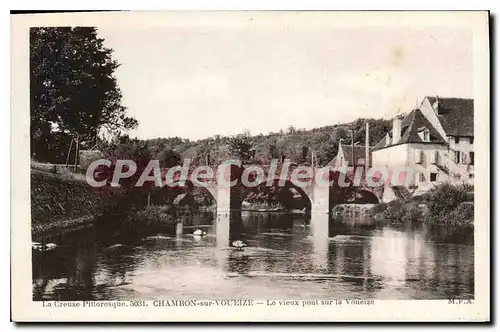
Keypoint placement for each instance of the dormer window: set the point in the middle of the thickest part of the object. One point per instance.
(424, 134)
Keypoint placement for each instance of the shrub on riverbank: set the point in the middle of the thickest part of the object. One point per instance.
(153, 215)
(445, 204)
(254, 206)
(349, 209)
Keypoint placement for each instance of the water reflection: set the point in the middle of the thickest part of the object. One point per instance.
(287, 254)
(320, 244)
(222, 228)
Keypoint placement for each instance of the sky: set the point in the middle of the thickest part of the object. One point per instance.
(200, 80)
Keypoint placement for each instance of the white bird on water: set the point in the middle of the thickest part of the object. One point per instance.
(43, 247)
(199, 232)
(238, 244)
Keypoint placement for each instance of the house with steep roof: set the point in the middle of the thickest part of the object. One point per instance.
(349, 156)
(436, 139)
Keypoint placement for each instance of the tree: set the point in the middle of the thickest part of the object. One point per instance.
(72, 86)
(240, 147)
(273, 150)
(305, 154)
(168, 158)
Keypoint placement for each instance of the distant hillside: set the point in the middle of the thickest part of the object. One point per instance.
(295, 144)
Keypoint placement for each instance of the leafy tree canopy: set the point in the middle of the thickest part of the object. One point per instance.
(72, 86)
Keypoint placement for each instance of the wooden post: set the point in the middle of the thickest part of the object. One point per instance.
(352, 149)
(367, 146)
(149, 199)
(69, 152)
(76, 151)
(353, 162)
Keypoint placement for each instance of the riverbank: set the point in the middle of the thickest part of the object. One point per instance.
(61, 201)
(350, 209)
(64, 200)
(446, 204)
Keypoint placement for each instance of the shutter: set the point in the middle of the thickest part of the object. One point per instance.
(433, 157)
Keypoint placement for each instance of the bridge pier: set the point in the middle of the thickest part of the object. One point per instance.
(319, 228)
(223, 200)
(320, 202)
(222, 229)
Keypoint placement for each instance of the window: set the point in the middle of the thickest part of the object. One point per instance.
(457, 157)
(433, 177)
(457, 139)
(471, 176)
(471, 158)
(424, 134)
(463, 158)
(421, 177)
(434, 156)
(418, 156)
(471, 140)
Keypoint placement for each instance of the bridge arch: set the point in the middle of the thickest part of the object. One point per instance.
(190, 194)
(288, 195)
(364, 196)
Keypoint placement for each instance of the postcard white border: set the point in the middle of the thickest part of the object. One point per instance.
(24, 309)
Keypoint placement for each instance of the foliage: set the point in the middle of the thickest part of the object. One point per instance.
(463, 214)
(259, 149)
(141, 151)
(240, 147)
(442, 199)
(73, 90)
(445, 204)
(153, 215)
(57, 197)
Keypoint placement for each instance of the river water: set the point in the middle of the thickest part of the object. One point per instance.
(288, 256)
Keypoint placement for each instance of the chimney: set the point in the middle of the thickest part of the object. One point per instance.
(396, 129)
(367, 145)
(436, 105)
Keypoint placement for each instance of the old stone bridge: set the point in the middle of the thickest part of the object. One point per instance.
(321, 191)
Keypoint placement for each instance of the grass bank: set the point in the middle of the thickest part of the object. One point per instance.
(446, 204)
(59, 201)
(62, 199)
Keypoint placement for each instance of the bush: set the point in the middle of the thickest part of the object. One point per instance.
(378, 209)
(411, 212)
(154, 215)
(443, 199)
(445, 204)
(463, 214)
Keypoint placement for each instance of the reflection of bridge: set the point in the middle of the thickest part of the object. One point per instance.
(312, 184)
